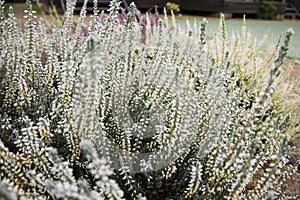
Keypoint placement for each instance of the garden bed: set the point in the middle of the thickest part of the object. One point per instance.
(63, 105)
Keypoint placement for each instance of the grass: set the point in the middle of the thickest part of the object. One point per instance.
(257, 27)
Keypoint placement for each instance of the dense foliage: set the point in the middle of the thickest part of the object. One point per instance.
(136, 110)
(267, 11)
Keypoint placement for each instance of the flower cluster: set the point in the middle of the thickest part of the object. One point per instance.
(139, 111)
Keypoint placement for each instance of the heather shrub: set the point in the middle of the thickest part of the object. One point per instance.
(128, 110)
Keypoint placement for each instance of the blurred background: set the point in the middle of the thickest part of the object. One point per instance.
(263, 9)
(263, 16)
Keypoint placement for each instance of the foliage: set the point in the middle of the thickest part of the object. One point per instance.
(172, 6)
(267, 11)
(125, 113)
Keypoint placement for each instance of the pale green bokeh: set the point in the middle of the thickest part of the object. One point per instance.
(258, 28)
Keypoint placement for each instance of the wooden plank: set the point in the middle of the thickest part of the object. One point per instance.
(149, 3)
(241, 7)
(249, 7)
(296, 3)
(206, 6)
(146, 4)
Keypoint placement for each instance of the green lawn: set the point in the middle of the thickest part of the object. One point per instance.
(259, 28)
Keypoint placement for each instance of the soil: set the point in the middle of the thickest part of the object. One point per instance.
(294, 182)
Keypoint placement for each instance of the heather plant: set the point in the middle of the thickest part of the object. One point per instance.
(131, 112)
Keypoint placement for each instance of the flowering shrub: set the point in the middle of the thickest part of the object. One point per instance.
(116, 115)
